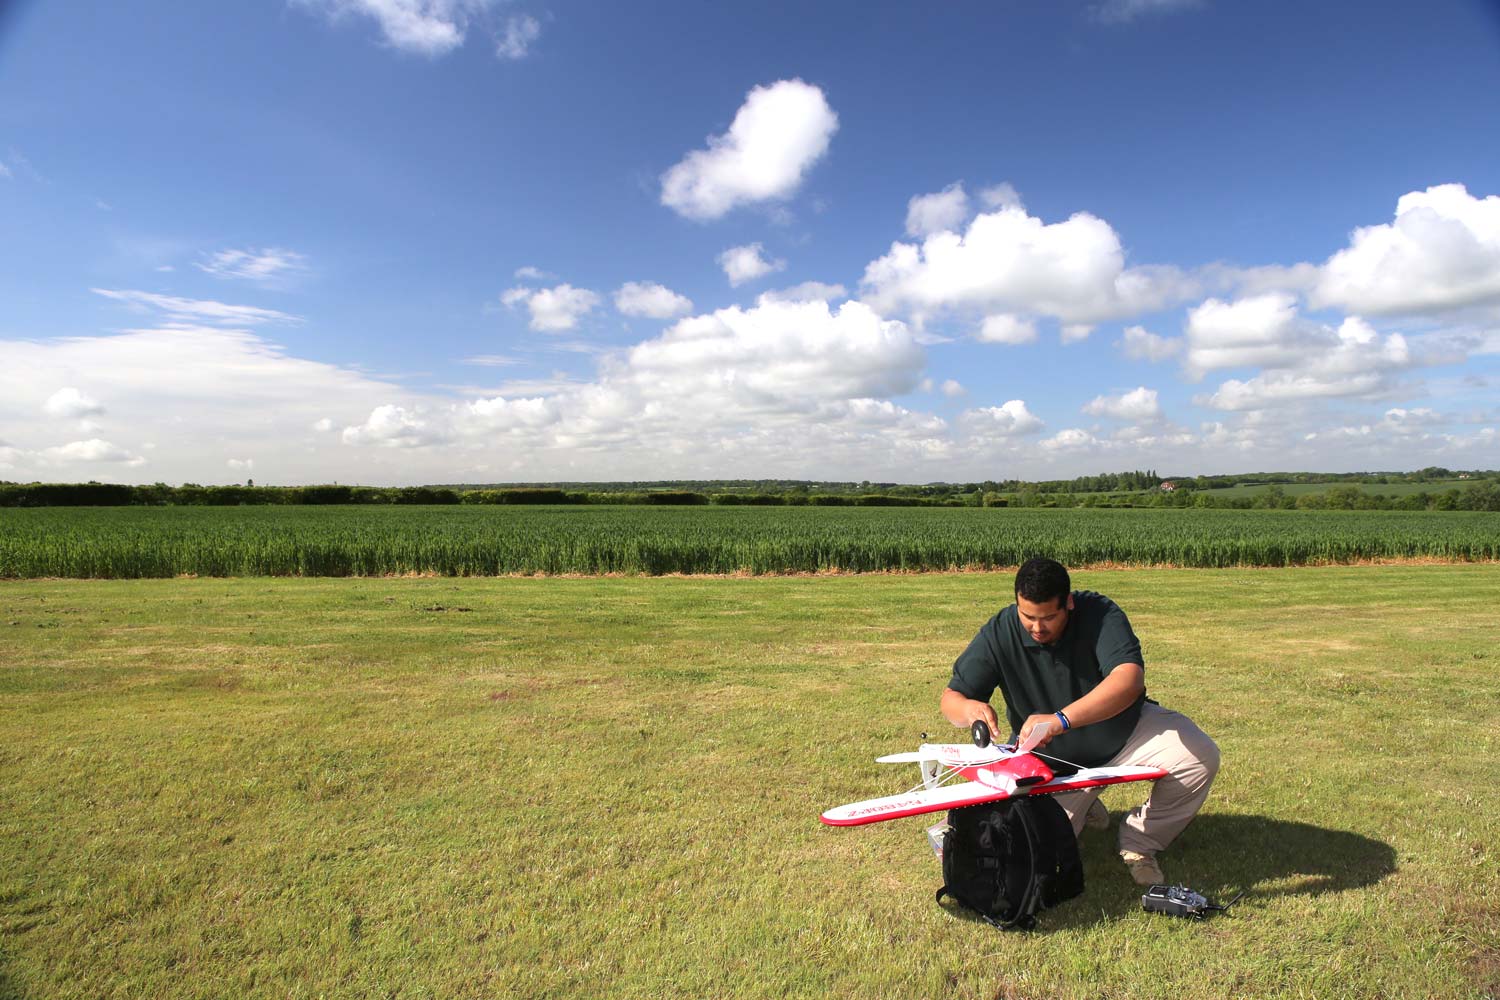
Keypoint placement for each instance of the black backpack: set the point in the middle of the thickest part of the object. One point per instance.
(1008, 859)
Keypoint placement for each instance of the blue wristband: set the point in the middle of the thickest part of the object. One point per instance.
(1064, 720)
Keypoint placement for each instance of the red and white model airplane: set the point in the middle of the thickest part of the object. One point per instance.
(962, 774)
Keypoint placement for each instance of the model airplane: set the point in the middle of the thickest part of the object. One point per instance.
(988, 772)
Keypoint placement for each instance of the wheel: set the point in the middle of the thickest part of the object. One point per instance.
(980, 730)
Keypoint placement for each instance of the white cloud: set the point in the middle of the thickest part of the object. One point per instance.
(520, 31)
(498, 413)
(5, 173)
(323, 425)
(242, 464)
(791, 352)
(425, 27)
(1263, 330)
(197, 310)
(1141, 344)
(1072, 333)
(1011, 419)
(492, 360)
(1010, 262)
(777, 135)
(1003, 328)
(265, 266)
(199, 393)
(529, 273)
(807, 291)
(952, 388)
(70, 404)
(935, 213)
(1278, 387)
(1139, 405)
(92, 450)
(1125, 11)
(1001, 195)
(747, 263)
(1301, 359)
(1072, 439)
(1442, 252)
(391, 426)
(553, 309)
(650, 300)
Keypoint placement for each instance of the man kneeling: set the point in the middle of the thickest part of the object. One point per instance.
(1068, 661)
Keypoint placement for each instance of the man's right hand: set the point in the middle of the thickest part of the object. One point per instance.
(963, 712)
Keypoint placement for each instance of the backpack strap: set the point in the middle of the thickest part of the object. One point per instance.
(1030, 896)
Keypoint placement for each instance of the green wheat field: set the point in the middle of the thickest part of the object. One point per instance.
(134, 542)
(609, 787)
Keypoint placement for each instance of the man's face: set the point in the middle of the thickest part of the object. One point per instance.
(1046, 620)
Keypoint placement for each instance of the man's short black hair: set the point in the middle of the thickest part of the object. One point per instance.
(1041, 580)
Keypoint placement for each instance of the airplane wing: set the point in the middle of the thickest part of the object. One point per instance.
(1090, 777)
(965, 793)
(969, 793)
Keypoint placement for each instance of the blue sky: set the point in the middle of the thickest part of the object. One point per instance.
(404, 241)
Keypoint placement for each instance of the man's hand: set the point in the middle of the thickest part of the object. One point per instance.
(1048, 725)
(963, 712)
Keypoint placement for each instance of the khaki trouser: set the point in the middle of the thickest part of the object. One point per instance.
(1168, 740)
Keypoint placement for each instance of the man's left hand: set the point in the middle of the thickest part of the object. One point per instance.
(1050, 728)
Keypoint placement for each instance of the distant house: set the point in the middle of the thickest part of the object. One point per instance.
(1169, 487)
(1463, 475)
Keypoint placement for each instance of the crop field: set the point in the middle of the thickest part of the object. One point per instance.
(609, 787)
(1385, 489)
(143, 542)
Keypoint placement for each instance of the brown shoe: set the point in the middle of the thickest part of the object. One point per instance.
(1097, 818)
(1143, 868)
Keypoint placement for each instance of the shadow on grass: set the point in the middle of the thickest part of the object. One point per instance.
(1218, 856)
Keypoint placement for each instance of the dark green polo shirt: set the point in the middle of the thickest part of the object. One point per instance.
(1034, 678)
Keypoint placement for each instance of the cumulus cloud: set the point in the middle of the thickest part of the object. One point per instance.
(1003, 328)
(785, 351)
(529, 273)
(520, 31)
(424, 27)
(92, 450)
(500, 414)
(553, 309)
(1301, 359)
(197, 310)
(1139, 405)
(1072, 439)
(1140, 344)
(1001, 195)
(241, 464)
(1010, 262)
(935, 213)
(70, 404)
(777, 135)
(1442, 252)
(1010, 419)
(952, 388)
(747, 263)
(650, 300)
(807, 291)
(392, 426)
(1252, 332)
(264, 266)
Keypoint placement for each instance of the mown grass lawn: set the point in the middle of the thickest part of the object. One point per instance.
(610, 787)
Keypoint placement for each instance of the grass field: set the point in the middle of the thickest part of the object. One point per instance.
(610, 787)
(133, 542)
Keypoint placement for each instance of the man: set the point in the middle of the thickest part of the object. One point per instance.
(1066, 662)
